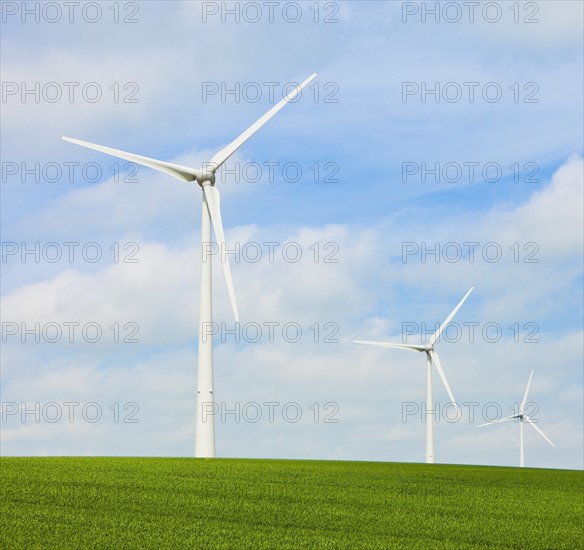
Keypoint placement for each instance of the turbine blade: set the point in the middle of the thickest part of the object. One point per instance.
(522, 406)
(183, 173)
(220, 157)
(437, 334)
(532, 423)
(436, 361)
(213, 200)
(498, 421)
(409, 347)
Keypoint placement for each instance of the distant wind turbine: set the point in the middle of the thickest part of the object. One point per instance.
(522, 418)
(431, 358)
(211, 213)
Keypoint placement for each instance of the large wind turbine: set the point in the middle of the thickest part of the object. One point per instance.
(522, 418)
(431, 359)
(211, 213)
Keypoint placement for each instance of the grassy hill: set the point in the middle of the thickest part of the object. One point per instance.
(227, 503)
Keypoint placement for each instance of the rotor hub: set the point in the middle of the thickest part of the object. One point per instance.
(205, 178)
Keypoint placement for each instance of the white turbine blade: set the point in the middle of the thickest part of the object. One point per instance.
(522, 406)
(532, 423)
(436, 361)
(227, 151)
(437, 334)
(409, 347)
(183, 173)
(498, 421)
(213, 204)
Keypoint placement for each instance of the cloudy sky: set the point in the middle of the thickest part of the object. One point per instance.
(435, 151)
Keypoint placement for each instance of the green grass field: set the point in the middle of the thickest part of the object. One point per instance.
(227, 503)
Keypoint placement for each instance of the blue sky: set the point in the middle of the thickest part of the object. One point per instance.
(365, 59)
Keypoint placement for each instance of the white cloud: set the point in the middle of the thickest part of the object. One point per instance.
(552, 217)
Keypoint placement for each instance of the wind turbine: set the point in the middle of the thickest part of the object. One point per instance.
(522, 418)
(431, 359)
(211, 213)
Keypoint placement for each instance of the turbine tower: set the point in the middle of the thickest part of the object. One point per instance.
(211, 214)
(431, 359)
(522, 418)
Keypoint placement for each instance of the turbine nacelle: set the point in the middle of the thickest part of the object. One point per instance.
(204, 177)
